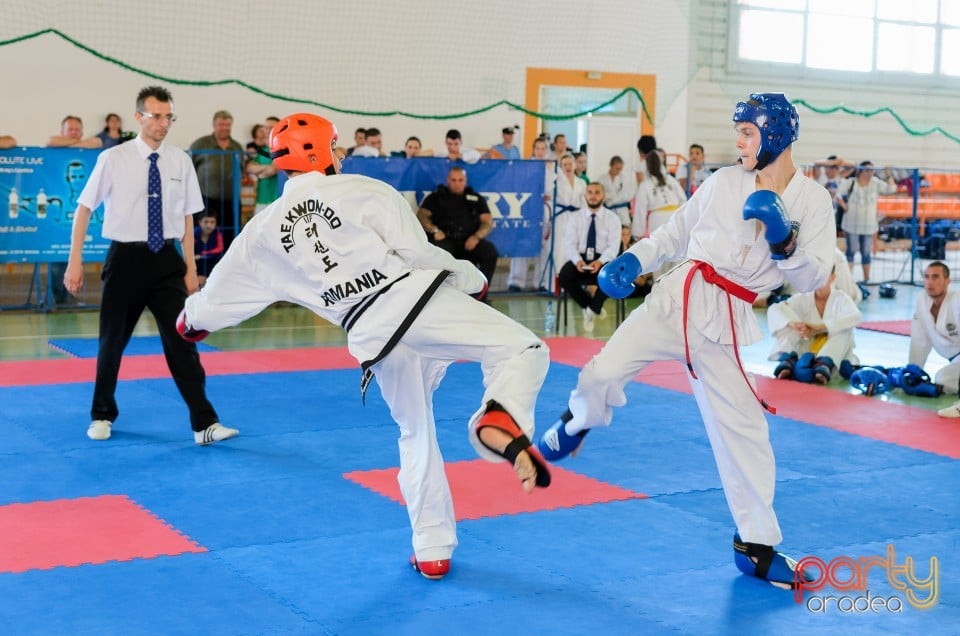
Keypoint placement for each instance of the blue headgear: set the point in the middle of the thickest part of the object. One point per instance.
(777, 120)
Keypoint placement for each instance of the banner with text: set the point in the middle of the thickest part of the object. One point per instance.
(513, 190)
(38, 192)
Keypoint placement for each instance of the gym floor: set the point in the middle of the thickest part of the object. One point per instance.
(296, 526)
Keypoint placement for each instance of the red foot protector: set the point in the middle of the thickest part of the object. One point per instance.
(484, 489)
(89, 530)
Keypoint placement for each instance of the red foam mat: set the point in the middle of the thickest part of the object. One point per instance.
(89, 530)
(898, 327)
(38, 372)
(485, 489)
(869, 417)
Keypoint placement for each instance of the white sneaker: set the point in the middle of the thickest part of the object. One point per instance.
(603, 314)
(950, 411)
(588, 319)
(99, 430)
(216, 432)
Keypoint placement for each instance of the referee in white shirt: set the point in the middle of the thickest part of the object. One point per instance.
(139, 273)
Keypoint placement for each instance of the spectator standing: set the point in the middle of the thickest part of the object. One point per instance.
(208, 246)
(658, 197)
(619, 187)
(506, 149)
(645, 145)
(858, 198)
(112, 133)
(359, 140)
(570, 193)
(580, 166)
(373, 144)
(260, 166)
(455, 150)
(213, 158)
(412, 147)
(71, 135)
(694, 171)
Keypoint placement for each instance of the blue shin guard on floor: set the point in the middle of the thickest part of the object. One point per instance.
(556, 443)
(788, 361)
(763, 562)
(803, 371)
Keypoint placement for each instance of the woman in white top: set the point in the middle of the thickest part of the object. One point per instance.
(618, 189)
(656, 199)
(857, 196)
(570, 197)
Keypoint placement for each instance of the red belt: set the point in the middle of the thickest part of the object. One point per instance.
(711, 276)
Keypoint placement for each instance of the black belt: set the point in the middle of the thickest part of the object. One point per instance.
(354, 313)
(367, 374)
(166, 242)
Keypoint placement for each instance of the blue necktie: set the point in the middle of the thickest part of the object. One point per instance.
(154, 207)
(592, 235)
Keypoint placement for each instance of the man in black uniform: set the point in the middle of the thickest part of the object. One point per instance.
(457, 219)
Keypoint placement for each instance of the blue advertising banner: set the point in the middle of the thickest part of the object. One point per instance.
(513, 190)
(38, 195)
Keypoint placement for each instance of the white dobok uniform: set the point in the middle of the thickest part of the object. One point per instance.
(520, 266)
(350, 249)
(570, 198)
(840, 316)
(710, 229)
(654, 204)
(943, 336)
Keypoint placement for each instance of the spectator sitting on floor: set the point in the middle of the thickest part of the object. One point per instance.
(814, 333)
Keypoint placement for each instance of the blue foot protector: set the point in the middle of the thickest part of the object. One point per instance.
(762, 561)
(556, 443)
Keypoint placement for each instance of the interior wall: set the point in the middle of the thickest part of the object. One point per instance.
(420, 57)
(426, 58)
(718, 83)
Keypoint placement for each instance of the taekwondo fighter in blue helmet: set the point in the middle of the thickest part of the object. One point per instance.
(350, 249)
(747, 230)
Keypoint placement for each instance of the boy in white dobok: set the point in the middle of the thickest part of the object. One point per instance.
(814, 332)
(748, 229)
(350, 249)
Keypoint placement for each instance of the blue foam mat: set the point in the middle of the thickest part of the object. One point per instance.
(288, 534)
(138, 346)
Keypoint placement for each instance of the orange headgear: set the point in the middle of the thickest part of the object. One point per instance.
(304, 143)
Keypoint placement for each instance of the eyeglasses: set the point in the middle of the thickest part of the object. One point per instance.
(170, 117)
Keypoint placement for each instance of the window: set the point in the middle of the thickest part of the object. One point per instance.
(919, 37)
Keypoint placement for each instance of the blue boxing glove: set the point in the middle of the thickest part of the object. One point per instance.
(616, 278)
(767, 207)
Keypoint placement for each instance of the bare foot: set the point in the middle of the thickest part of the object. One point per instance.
(524, 467)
